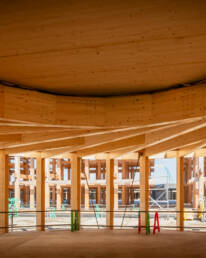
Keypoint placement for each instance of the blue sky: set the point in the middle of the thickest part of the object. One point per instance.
(163, 168)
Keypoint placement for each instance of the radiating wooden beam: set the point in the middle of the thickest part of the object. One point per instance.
(46, 145)
(110, 147)
(188, 138)
(172, 132)
(184, 151)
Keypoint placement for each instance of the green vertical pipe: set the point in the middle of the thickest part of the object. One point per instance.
(72, 222)
(148, 224)
(77, 220)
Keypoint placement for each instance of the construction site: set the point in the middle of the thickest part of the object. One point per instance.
(162, 193)
(102, 128)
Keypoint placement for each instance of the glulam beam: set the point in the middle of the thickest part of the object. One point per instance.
(20, 105)
(177, 142)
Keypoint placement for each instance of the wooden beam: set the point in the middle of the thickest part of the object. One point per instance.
(35, 107)
(136, 140)
(46, 145)
(141, 110)
(91, 138)
(177, 142)
(4, 194)
(163, 134)
(200, 152)
(185, 150)
(170, 132)
(63, 139)
(122, 156)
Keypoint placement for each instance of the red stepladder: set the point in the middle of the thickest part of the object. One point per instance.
(156, 223)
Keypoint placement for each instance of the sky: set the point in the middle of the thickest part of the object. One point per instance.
(165, 169)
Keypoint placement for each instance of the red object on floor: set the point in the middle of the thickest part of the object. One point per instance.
(139, 226)
(156, 221)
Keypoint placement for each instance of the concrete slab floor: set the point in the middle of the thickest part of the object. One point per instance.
(103, 243)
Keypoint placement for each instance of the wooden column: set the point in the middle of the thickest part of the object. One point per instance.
(58, 169)
(40, 193)
(32, 185)
(75, 183)
(4, 192)
(123, 195)
(116, 184)
(99, 194)
(195, 183)
(58, 195)
(180, 193)
(144, 188)
(201, 181)
(47, 189)
(86, 195)
(98, 169)
(17, 181)
(123, 170)
(58, 188)
(109, 192)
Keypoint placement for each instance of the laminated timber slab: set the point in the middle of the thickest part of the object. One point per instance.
(102, 47)
(145, 110)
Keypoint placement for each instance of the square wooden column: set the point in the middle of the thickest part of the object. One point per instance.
(86, 194)
(98, 169)
(75, 183)
(4, 192)
(58, 196)
(32, 185)
(201, 180)
(123, 195)
(47, 188)
(40, 193)
(116, 170)
(180, 193)
(17, 181)
(99, 194)
(195, 199)
(110, 192)
(144, 188)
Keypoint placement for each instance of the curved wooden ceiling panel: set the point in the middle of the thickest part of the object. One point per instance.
(102, 48)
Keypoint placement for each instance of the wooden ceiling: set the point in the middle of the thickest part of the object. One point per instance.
(33, 122)
(98, 49)
(102, 48)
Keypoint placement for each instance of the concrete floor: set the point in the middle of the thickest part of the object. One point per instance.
(103, 243)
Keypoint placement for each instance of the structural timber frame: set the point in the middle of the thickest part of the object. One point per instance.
(42, 125)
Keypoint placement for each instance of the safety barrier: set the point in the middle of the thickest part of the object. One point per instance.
(73, 219)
